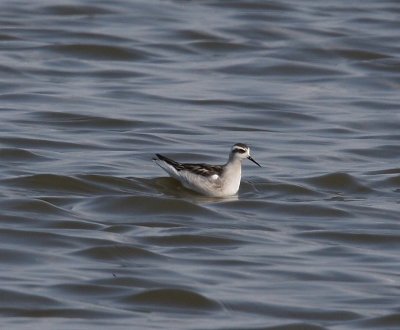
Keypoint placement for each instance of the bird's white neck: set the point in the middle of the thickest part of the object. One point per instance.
(232, 175)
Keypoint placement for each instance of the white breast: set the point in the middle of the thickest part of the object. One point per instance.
(231, 179)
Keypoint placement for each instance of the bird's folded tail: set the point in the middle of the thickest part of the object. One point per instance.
(168, 165)
(167, 160)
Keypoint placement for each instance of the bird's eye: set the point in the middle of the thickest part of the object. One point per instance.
(241, 151)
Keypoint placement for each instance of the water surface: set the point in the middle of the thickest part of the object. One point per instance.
(93, 234)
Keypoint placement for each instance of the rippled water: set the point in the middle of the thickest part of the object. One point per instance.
(93, 234)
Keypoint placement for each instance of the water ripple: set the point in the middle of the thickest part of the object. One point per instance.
(171, 299)
(93, 234)
(99, 52)
(68, 10)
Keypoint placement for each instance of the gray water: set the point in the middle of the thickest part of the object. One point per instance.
(94, 235)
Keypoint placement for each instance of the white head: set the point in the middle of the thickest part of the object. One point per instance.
(241, 151)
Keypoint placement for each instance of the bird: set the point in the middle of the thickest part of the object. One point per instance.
(206, 179)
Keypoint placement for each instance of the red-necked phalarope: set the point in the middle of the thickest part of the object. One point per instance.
(210, 180)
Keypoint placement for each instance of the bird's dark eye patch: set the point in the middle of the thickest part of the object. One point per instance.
(239, 150)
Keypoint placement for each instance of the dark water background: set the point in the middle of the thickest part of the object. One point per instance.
(92, 233)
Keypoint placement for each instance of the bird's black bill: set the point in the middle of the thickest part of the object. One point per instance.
(250, 158)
